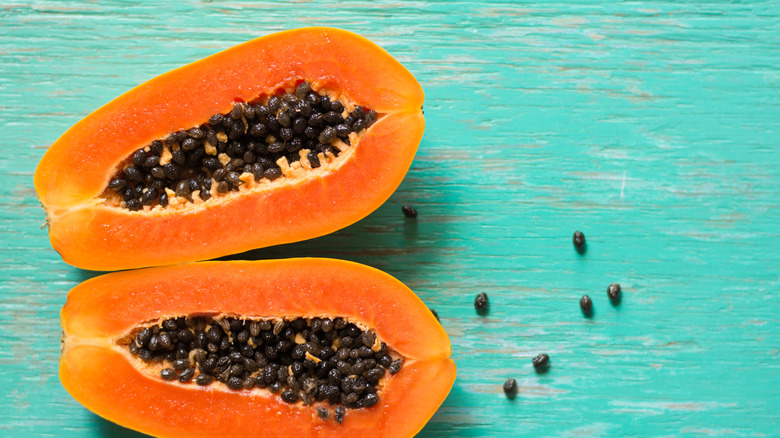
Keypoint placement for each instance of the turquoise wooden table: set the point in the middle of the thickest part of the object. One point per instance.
(654, 127)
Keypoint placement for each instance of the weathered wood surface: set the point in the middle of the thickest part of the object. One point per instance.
(654, 127)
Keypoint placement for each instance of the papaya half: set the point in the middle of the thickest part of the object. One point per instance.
(143, 349)
(280, 139)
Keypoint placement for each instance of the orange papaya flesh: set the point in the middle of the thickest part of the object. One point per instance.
(97, 369)
(91, 230)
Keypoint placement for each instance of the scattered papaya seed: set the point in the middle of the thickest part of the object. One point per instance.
(586, 305)
(614, 293)
(481, 303)
(510, 388)
(541, 362)
(578, 239)
(409, 211)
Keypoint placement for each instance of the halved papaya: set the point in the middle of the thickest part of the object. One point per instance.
(284, 138)
(110, 321)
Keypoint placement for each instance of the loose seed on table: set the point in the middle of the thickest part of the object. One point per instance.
(409, 211)
(578, 239)
(614, 293)
(586, 305)
(481, 302)
(510, 388)
(541, 362)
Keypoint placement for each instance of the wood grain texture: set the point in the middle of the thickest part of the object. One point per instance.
(654, 127)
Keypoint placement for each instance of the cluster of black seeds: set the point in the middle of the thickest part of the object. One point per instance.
(308, 360)
(248, 139)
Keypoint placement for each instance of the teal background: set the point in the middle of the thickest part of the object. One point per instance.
(652, 126)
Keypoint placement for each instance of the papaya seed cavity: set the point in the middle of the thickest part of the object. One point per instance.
(254, 142)
(327, 361)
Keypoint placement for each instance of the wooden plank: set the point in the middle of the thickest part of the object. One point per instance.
(654, 127)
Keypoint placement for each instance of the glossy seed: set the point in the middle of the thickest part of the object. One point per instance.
(286, 134)
(156, 148)
(332, 118)
(299, 125)
(116, 184)
(168, 374)
(369, 400)
(178, 157)
(258, 130)
(541, 361)
(358, 113)
(134, 205)
(342, 130)
(172, 171)
(395, 366)
(236, 130)
(235, 383)
(237, 111)
(204, 379)
(370, 117)
(409, 211)
(138, 158)
(133, 174)
(578, 239)
(302, 89)
(327, 135)
(149, 196)
(143, 336)
(216, 119)
(481, 302)
(614, 293)
(276, 147)
(212, 163)
(165, 340)
(272, 173)
(234, 179)
(510, 388)
(182, 189)
(151, 161)
(189, 144)
(158, 172)
(314, 160)
(340, 412)
(323, 413)
(290, 396)
(186, 375)
(586, 305)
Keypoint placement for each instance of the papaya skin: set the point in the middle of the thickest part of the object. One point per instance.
(101, 374)
(76, 169)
